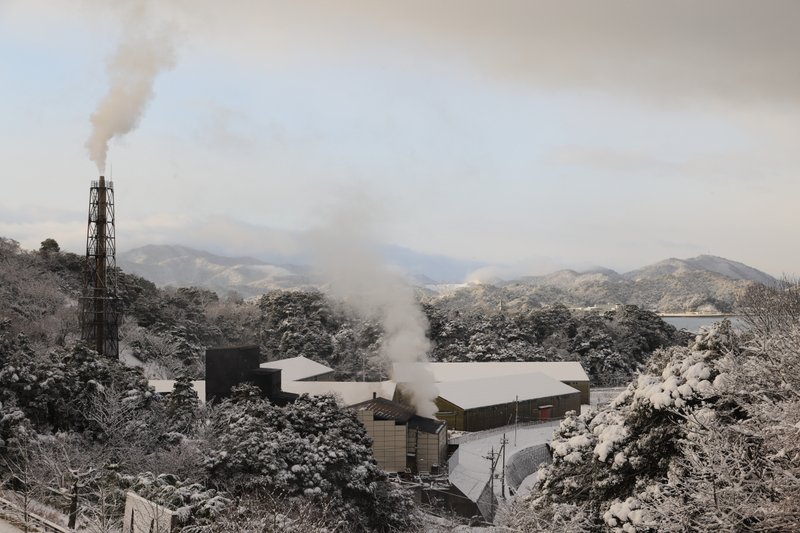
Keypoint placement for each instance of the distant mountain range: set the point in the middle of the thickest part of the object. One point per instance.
(700, 284)
(183, 266)
(704, 284)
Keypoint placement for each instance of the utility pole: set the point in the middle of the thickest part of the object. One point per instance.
(516, 419)
(492, 464)
(493, 459)
(503, 471)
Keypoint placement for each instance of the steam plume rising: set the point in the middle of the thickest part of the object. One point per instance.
(141, 55)
(355, 274)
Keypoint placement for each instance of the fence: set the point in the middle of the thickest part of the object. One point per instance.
(27, 519)
(476, 435)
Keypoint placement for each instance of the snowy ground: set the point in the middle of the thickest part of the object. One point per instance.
(5, 527)
(469, 470)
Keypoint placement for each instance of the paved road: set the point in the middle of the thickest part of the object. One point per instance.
(5, 527)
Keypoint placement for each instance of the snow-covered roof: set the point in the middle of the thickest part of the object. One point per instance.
(469, 394)
(165, 386)
(297, 368)
(351, 392)
(445, 372)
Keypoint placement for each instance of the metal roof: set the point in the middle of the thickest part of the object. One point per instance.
(445, 372)
(297, 368)
(470, 394)
(428, 425)
(384, 409)
(351, 392)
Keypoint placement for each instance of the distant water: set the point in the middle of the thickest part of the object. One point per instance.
(693, 323)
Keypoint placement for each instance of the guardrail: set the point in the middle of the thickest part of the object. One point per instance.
(19, 517)
(476, 435)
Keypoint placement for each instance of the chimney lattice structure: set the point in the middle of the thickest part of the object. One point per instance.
(100, 307)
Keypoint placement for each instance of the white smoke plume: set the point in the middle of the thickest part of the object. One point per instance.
(143, 52)
(348, 262)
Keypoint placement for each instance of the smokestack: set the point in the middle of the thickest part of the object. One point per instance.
(100, 266)
(99, 303)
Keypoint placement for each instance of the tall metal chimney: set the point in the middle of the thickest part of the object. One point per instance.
(100, 306)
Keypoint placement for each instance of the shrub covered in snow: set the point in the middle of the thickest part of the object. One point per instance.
(311, 448)
(54, 389)
(705, 439)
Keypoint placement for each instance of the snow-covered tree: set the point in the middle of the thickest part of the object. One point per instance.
(705, 439)
(182, 406)
(312, 448)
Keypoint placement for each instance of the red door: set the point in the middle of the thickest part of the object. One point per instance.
(544, 412)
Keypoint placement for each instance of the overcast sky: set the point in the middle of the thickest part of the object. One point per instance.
(528, 134)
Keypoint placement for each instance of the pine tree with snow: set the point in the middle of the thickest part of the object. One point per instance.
(182, 406)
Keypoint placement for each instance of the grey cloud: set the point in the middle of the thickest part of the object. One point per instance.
(729, 50)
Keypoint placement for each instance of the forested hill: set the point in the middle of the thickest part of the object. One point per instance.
(169, 329)
(705, 284)
(700, 284)
(181, 266)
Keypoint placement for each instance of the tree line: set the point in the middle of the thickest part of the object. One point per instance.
(168, 329)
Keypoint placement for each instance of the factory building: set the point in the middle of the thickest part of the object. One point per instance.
(229, 366)
(401, 440)
(567, 372)
(478, 404)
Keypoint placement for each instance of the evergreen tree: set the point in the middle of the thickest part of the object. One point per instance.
(182, 406)
(311, 448)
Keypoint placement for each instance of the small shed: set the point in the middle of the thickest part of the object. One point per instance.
(300, 369)
(401, 440)
(478, 404)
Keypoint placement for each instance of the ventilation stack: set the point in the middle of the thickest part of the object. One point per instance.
(100, 307)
